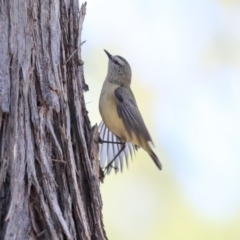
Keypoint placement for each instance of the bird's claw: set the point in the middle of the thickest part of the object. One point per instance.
(110, 166)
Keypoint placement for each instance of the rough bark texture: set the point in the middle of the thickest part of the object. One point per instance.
(49, 183)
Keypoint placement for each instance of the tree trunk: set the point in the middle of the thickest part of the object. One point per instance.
(49, 175)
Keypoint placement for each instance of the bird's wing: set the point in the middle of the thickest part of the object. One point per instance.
(131, 116)
(109, 150)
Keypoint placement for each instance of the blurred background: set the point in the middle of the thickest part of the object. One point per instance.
(185, 59)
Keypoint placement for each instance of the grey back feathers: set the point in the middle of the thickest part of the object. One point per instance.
(131, 116)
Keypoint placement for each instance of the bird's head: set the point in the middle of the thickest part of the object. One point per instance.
(119, 70)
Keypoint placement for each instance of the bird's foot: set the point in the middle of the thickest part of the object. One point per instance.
(99, 140)
(107, 168)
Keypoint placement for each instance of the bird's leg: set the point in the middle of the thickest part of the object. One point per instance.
(110, 164)
(100, 141)
(103, 141)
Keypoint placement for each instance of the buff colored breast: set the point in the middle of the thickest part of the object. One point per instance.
(108, 110)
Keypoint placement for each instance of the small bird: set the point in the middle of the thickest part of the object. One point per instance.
(122, 124)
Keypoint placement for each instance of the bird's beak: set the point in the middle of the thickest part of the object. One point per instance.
(108, 54)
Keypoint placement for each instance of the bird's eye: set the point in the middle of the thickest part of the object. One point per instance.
(116, 62)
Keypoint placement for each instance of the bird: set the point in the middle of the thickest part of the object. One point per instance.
(122, 129)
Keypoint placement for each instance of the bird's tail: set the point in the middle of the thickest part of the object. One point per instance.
(155, 159)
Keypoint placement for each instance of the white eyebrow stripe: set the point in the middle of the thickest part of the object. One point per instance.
(121, 58)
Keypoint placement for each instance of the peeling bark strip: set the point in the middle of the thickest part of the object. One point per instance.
(49, 186)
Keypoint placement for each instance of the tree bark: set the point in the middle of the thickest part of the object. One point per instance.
(49, 174)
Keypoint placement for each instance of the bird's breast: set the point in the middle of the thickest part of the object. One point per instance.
(108, 111)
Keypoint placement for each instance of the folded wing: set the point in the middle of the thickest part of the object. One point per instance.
(131, 116)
